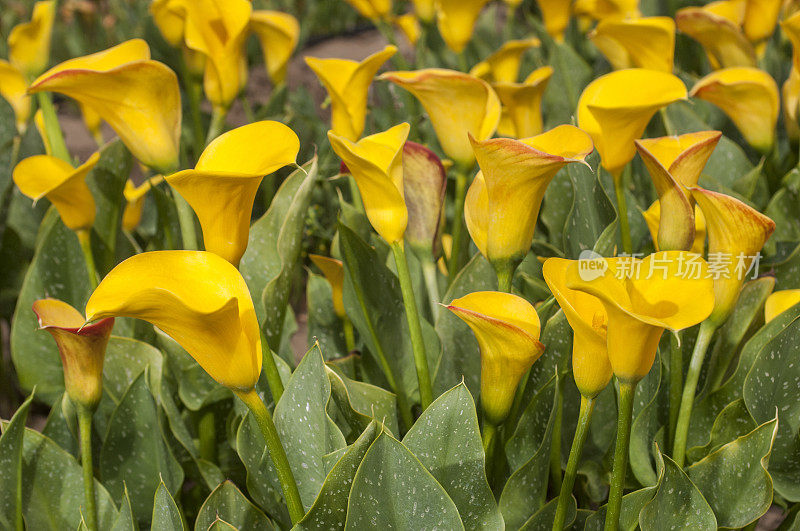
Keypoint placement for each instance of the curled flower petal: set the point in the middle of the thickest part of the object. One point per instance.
(425, 9)
(779, 302)
(134, 202)
(647, 42)
(13, 89)
(721, 38)
(410, 26)
(278, 33)
(556, 17)
(29, 43)
(333, 270)
(424, 186)
(456, 21)
(503, 65)
(652, 217)
(372, 9)
(522, 103)
(170, 19)
(760, 19)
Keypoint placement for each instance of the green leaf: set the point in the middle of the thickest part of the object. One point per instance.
(447, 441)
(166, 515)
(570, 77)
(227, 503)
(592, 215)
(650, 416)
(361, 402)
(58, 270)
(11, 464)
(273, 251)
(721, 475)
(135, 454)
(542, 520)
(125, 360)
(393, 490)
(125, 520)
(324, 326)
(677, 504)
(632, 504)
(732, 422)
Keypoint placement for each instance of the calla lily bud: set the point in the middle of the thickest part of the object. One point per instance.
(64, 186)
(556, 17)
(409, 25)
(605, 9)
(223, 184)
(38, 120)
(376, 164)
(139, 98)
(736, 234)
(647, 42)
(82, 348)
(456, 21)
(667, 290)
(588, 319)
(791, 104)
(749, 97)
(652, 217)
(616, 108)
(522, 104)
(333, 270)
(13, 89)
(716, 27)
(760, 19)
(425, 9)
(440, 91)
(278, 33)
(503, 65)
(424, 186)
(791, 28)
(134, 202)
(503, 202)
(779, 302)
(197, 298)
(372, 9)
(29, 43)
(507, 329)
(347, 83)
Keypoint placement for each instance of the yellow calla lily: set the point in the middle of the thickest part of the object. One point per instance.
(507, 329)
(791, 101)
(615, 109)
(647, 42)
(503, 203)
(333, 270)
(522, 104)
(197, 298)
(736, 234)
(93, 123)
(64, 186)
(652, 217)
(760, 19)
(139, 98)
(134, 201)
(38, 120)
(223, 184)
(82, 348)
(372, 9)
(347, 83)
(376, 164)
(425, 10)
(779, 302)
(556, 17)
(791, 28)
(456, 21)
(29, 43)
(170, 19)
(424, 187)
(503, 65)
(587, 317)
(278, 33)
(409, 25)
(749, 97)
(440, 91)
(719, 33)
(13, 89)
(642, 299)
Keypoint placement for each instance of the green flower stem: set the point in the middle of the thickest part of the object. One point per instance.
(459, 232)
(505, 274)
(276, 452)
(489, 438)
(675, 382)
(218, 115)
(430, 276)
(194, 93)
(207, 433)
(84, 237)
(349, 335)
(414, 326)
(185, 221)
(625, 408)
(355, 194)
(581, 431)
(52, 128)
(707, 329)
(85, 431)
(622, 208)
(271, 369)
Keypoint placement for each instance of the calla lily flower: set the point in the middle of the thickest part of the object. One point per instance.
(93, 123)
(556, 17)
(13, 89)
(652, 217)
(615, 109)
(170, 19)
(139, 98)
(791, 28)
(38, 120)
(749, 97)
(424, 186)
(376, 164)
(425, 9)
(719, 32)
(507, 329)
(736, 234)
(278, 33)
(372, 9)
(82, 348)
(456, 21)
(642, 299)
(647, 42)
(791, 101)
(675, 163)
(29, 43)
(502, 204)
(347, 83)
(223, 184)
(333, 270)
(409, 25)
(197, 298)
(134, 201)
(760, 19)
(607, 9)
(588, 319)
(779, 302)
(522, 104)
(503, 65)
(64, 186)
(440, 91)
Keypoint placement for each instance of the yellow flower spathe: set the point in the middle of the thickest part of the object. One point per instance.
(760, 19)
(223, 184)
(134, 201)
(347, 83)
(716, 27)
(278, 33)
(556, 17)
(410, 26)
(456, 21)
(29, 43)
(503, 65)
(522, 104)
(197, 298)
(333, 270)
(647, 42)
(779, 302)
(425, 9)
(372, 9)
(652, 217)
(424, 187)
(13, 89)
(170, 19)
(376, 164)
(507, 329)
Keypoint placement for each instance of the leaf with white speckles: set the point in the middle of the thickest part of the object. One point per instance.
(361, 402)
(166, 515)
(592, 222)
(125, 520)
(731, 423)
(650, 414)
(10, 459)
(542, 520)
(227, 503)
(632, 504)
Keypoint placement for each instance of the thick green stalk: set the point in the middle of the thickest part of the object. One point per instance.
(208, 437)
(489, 438)
(51, 126)
(271, 369)
(430, 276)
(555, 444)
(622, 208)
(218, 115)
(349, 335)
(581, 431)
(276, 452)
(625, 408)
(505, 274)
(458, 232)
(85, 434)
(675, 382)
(707, 329)
(414, 326)
(185, 221)
(84, 237)
(194, 92)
